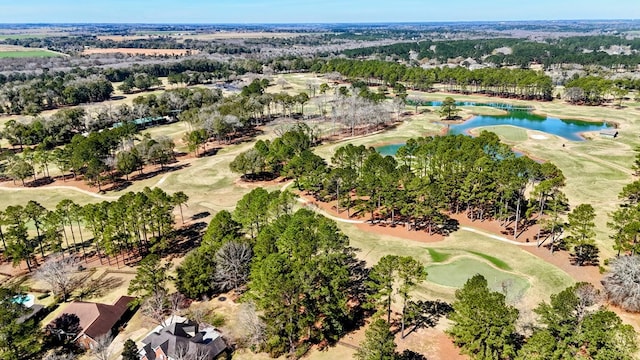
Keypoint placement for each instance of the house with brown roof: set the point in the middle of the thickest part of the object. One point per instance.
(98, 319)
(180, 338)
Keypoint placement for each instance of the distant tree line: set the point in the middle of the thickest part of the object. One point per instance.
(583, 50)
(526, 84)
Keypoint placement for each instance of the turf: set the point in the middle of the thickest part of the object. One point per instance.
(506, 133)
(457, 272)
(495, 261)
(27, 54)
(438, 256)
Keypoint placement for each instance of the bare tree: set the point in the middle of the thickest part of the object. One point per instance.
(175, 301)
(252, 326)
(101, 349)
(62, 356)
(183, 352)
(156, 307)
(621, 283)
(60, 274)
(198, 314)
(398, 106)
(588, 296)
(232, 265)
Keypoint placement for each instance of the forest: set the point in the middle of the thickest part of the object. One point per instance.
(583, 50)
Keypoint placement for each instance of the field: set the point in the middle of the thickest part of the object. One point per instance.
(148, 52)
(596, 170)
(27, 54)
(11, 51)
(181, 37)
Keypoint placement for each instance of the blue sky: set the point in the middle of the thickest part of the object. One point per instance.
(291, 11)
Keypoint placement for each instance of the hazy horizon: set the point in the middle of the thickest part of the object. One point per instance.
(309, 12)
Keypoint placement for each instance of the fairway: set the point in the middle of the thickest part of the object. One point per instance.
(457, 272)
(27, 54)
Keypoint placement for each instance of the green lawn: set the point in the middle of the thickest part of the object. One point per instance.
(506, 133)
(27, 54)
(457, 272)
(438, 256)
(493, 260)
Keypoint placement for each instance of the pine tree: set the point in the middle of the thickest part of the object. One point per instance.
(130, 351)
(484, 326)
(378, 343)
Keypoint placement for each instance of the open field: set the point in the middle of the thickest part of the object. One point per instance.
(27, 54)
(134, 51)
(12, 51)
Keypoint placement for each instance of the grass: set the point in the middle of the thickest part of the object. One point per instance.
(27, 54)
(507, 133)
(456, 273)
(495, 261)
(544, 279)
(437, 256)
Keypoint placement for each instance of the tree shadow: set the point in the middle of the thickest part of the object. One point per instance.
(260, 176)
(424, 314)
(186, 238)
(39, 182)
(209, 152)
(150, 174)
(450, 225)
(200, 215)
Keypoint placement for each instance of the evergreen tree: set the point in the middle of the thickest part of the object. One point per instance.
(581, 228)
(573, 329)
(130, 350)
(378, 343)
(483, 324)
(18, 340)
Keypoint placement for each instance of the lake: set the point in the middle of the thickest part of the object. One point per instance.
(568, 129)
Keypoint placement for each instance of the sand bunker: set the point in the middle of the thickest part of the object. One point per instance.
(538, 137)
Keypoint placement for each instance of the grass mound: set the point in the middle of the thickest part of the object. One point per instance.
(495, 261)
(437, 256)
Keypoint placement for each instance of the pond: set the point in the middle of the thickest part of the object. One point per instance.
(568, 129)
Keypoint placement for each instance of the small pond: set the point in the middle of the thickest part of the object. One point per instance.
(520, 117)
(568, 129)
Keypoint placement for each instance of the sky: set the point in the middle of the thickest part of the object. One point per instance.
(309, 11)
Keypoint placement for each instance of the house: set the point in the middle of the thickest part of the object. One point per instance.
(180, 338)
(98, 319)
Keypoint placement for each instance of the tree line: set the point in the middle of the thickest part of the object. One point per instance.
(97, 157)
(434, 176)
(520, 83)
(522, 52)
(139, 223)
(52, 92)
